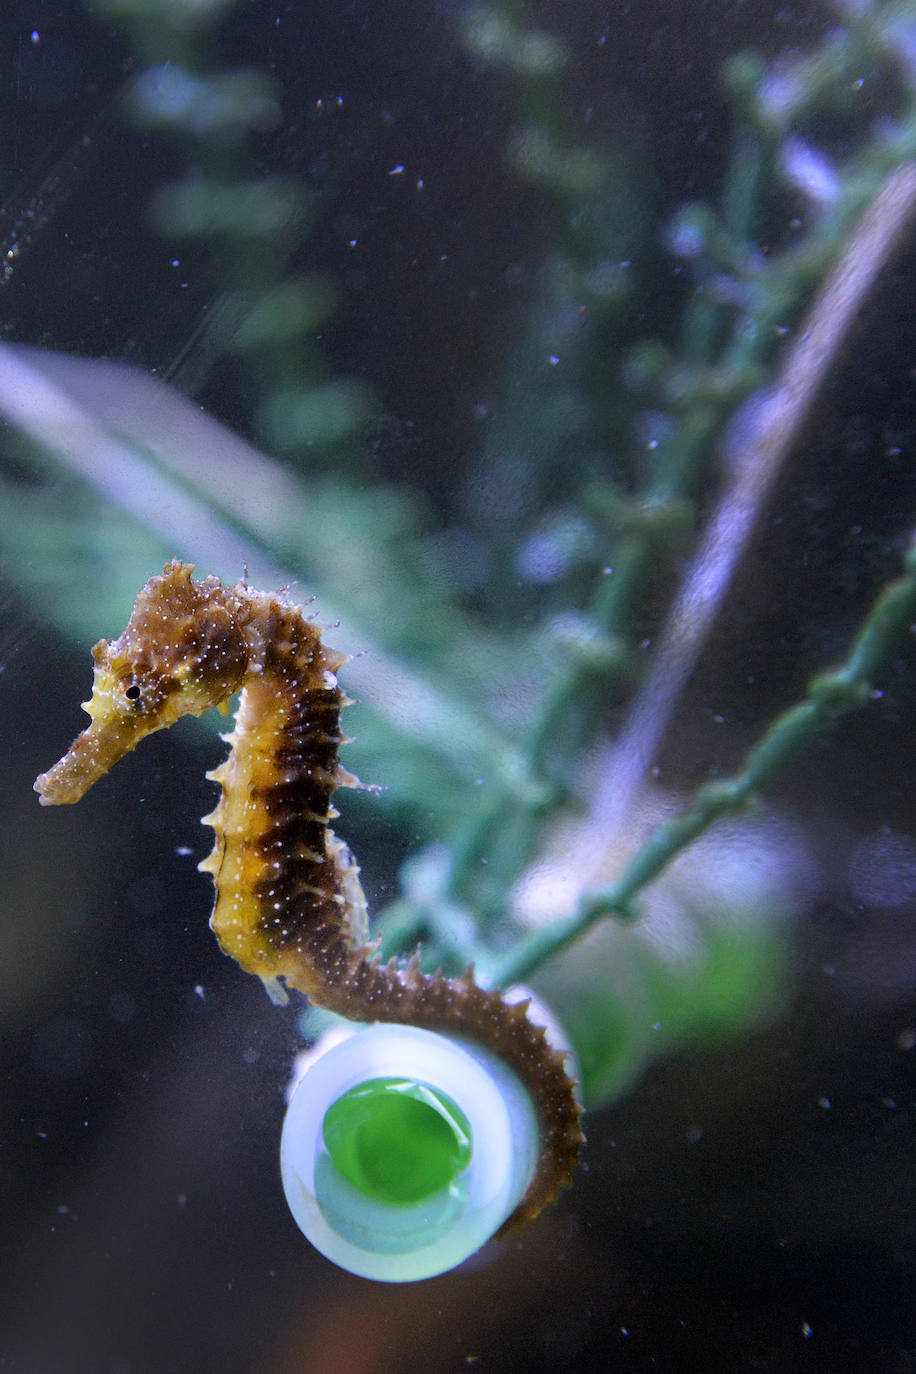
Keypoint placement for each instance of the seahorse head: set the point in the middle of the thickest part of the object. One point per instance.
(182, 651)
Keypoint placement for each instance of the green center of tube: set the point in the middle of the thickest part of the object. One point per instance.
(396, 1140)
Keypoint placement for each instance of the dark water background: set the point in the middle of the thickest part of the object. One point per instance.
(747, 1208)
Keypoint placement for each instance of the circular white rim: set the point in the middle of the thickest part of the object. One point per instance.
(504, 1145)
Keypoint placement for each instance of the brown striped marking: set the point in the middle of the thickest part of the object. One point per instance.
(289, 904)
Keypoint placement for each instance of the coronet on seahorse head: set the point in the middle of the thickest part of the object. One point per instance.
(182, 651)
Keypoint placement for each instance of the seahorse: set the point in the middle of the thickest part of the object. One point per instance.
(289, 905)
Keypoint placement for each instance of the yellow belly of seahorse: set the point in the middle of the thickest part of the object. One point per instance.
(239, 868)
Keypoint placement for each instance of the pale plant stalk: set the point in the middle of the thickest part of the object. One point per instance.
(755, 450)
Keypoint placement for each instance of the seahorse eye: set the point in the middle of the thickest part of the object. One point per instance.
(132, 692)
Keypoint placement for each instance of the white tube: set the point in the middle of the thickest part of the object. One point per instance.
(401, 1243)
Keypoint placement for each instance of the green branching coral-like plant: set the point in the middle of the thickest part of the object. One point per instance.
(607, 457)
